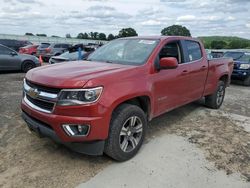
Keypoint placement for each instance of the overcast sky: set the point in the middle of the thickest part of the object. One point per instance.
(148, 17)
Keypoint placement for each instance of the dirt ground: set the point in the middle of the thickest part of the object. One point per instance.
(27, 161)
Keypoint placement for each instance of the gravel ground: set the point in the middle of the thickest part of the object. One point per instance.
(27, 161)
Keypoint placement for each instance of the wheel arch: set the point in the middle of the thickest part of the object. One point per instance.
(142, 101)
(225, 78)
(27, 61)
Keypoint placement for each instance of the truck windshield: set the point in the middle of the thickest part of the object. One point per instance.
(245, 58)
(125, 51)
(234, 55)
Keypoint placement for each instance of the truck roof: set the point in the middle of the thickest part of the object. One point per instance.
(162, 37)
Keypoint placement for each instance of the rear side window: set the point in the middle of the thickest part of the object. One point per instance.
(57, 46)
(65, 45)
(44, 45)
(4, 51)
(193, 50)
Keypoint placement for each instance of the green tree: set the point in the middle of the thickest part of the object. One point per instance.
(218, 44)
(235, 44)
(102, 36)
(127, 32)
(29, 34)
(176, 30)
(93, 35)
(80, 36)
(85, 36)
(111, 37)
(68, 35)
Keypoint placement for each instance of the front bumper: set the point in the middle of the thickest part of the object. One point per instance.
(99, 126)
(240, 74)
(44, 130)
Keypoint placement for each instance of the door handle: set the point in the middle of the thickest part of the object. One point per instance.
(184, 72)
(203, 67)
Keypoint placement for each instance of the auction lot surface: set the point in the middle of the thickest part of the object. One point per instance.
(191, 146)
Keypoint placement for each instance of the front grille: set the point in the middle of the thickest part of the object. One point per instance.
(41, 103)
(43, 88)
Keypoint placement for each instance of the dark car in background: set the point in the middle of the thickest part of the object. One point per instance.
(73, 54)
(11, 60)
(14, 44)
(217, 54)
(30, 49)
(241, 69)
(47, 50)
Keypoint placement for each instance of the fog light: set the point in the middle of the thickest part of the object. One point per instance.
(76, 130)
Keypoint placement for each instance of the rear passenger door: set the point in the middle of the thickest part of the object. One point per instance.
(197, 69)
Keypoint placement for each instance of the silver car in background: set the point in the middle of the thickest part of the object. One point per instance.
(11, 60)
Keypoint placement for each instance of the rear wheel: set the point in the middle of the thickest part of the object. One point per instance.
(247, 81)
(27, 65)
(127, 131)
(216, 99)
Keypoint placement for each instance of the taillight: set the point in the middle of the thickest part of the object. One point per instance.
(21, 50)
(47, 50)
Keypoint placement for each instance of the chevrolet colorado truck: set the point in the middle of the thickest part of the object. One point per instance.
(103, 104)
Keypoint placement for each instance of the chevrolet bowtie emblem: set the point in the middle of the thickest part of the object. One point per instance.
(34, 93)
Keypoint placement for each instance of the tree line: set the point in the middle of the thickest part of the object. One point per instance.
(220, 42)
(178, 30)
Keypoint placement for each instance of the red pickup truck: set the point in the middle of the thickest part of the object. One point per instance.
(104, 104)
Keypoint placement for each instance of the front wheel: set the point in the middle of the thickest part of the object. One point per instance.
(127, 131)
(27, 65)
(216, 99)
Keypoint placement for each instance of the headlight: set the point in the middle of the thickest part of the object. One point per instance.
(244, 66)
(69, 97)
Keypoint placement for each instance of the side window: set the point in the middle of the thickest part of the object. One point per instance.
(65, 46)
(171, 49)
(4, 51)
(57, 46)
(193, 50)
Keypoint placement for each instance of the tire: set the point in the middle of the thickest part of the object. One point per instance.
(215, 100)
(126, 133)
(28, 65)
(246, 82)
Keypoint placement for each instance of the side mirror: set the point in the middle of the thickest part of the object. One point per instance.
(13, 53)
(168, 63)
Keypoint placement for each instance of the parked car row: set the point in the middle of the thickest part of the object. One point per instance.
(23, 55)
(77, 52)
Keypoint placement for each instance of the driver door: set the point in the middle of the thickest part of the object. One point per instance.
(171, 85)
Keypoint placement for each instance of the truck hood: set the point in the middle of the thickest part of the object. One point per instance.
(72, 75)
